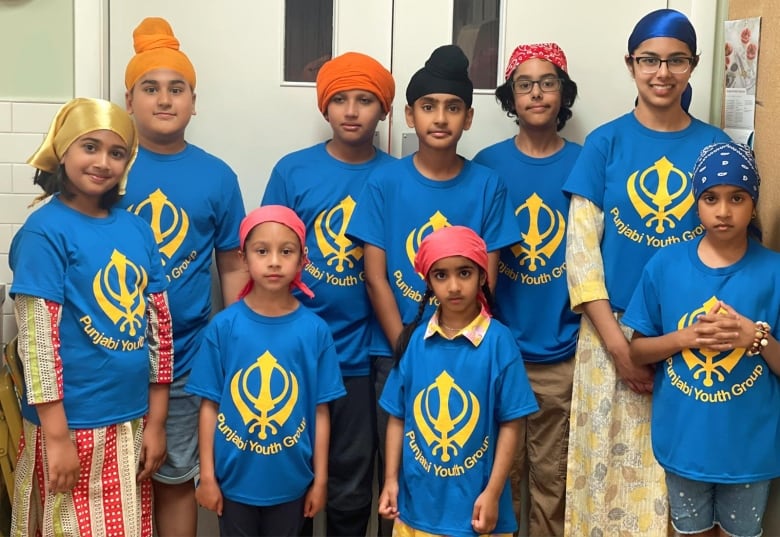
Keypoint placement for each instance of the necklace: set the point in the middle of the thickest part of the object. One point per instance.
(450, 329)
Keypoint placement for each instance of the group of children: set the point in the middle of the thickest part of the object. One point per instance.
(360, 314)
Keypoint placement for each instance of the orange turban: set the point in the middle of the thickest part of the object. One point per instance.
(157, 48)
(354, 71)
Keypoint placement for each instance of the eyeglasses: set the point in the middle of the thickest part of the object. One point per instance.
(547, 85)
(650, 64)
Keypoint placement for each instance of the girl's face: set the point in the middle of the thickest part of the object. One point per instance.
(94, 164)
(456, 282)
(725, 212)
(538, 108)
(272, 254)
(658, 86)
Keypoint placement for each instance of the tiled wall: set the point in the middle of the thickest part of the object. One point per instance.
(22, 126)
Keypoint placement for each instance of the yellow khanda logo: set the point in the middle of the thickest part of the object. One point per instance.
(662, 204)
(415, 237)
(537, 242)
(334, 244)
(445, 432)
(258, 406)
(703, 362)
(170, 239)
(118, 289)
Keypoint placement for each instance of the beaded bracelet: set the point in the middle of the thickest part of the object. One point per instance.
(759, 339)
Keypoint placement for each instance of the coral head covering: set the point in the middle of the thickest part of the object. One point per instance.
(354, 71)
(452, 241)
(78, 117)
(281, 215)
(543, 51)
(157, 48)
(726, 163)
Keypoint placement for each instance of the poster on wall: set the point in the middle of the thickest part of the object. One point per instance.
(741, 73)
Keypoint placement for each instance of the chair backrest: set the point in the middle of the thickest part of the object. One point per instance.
(11, 389)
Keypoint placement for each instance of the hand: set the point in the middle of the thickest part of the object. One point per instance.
(722, 329)
(639, 378)
(315, 499)
(485, 513)
(63, 464)
(153, 452)
(208, 494)
(388, 501)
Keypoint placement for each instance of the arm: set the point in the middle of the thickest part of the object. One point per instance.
(388, 500)
(318, 492)
(208, 493)
(380, 294)
(38, 347)
(485, 514)
(232, 275)
(493, 258)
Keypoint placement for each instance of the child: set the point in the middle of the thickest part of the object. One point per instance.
(706, 314)
(455, 398)
(407, 199)
(266, 370)
(321, 184)
(94, 336)
(539, 93)
(630, 195)
(193, 203)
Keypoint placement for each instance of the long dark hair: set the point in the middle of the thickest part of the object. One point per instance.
(406, 334)
(52, 183)
(506, 98)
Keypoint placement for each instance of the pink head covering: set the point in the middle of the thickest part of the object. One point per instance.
(544, 51)
(282, 215)
(449, 242)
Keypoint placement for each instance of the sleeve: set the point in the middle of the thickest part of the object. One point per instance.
(31, 250)
(499, 228)
(367, 223)
(584, 264)
(587, 178)
(159, 338)
(158, 281)
(230, 213)
(513, 390)
(276, 190)
(643, 313)
(392, 398)
(207, 377)
(329, 383)
(39, 348)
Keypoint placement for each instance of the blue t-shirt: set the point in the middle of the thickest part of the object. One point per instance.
(533, 271)
(448, 450)
(193, 203)
(641, 179)
(399, 207)
(715, 415)
(101, 271)
(268, 374)
(323, 190)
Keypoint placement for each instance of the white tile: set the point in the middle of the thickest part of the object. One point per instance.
(6, 178)
(22, 180)
(5, 117)
(9, 328)
(6, 234)
(33, 117)
(17, 147)
(13, 208)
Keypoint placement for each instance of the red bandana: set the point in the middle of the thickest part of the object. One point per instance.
(544, 51)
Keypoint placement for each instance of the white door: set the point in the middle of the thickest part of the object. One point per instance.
(246, 113)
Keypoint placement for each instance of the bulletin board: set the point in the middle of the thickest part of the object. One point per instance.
(767, 134)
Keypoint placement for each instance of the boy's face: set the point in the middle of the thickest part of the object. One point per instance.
(162, 103)
(439, 119)
(353, 116)
(537, 108)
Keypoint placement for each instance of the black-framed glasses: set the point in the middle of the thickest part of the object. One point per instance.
(526, 85)
(650, 64)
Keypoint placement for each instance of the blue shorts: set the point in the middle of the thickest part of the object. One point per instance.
(181, 429)
(695, 506)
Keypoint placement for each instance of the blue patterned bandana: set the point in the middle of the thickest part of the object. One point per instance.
(726, 163)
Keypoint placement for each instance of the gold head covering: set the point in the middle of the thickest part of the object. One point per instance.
(157, 48)
(77, 118)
